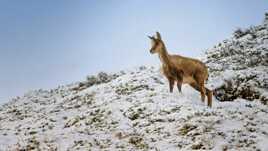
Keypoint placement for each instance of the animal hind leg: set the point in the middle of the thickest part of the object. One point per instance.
(203, 92)
(199, 89)
(208, 92)
(196, 87)
(209, 95)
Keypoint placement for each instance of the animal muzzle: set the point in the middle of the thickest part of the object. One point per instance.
(151, 51)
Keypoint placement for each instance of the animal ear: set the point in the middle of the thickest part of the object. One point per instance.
(158, 36)
(151, 37)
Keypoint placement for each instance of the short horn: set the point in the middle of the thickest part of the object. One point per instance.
(158, 36)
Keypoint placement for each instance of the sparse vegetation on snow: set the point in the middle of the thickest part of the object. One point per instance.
(240, 65)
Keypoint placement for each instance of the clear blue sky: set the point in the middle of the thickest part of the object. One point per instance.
(48, 43)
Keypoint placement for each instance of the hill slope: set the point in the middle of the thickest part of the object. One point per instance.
(130, 110)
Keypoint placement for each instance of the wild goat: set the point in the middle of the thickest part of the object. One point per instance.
(182, 69)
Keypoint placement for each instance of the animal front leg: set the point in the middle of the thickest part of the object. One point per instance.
(171, 85)
(179, 86)
(179, 79)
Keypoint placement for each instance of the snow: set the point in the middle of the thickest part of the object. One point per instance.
(133, 111)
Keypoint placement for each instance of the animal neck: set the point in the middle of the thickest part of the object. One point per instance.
(163, 55)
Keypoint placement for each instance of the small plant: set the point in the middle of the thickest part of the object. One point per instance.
(186, 128)
(238, 33)
(266, 16)
(138, 142)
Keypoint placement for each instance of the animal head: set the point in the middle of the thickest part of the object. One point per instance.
(157, 43)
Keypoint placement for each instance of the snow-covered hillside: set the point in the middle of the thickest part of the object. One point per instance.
(129, 110)
(239, 65)
(133, 109)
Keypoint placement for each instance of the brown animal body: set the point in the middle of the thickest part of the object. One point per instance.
(182, 69)
(173, 74)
